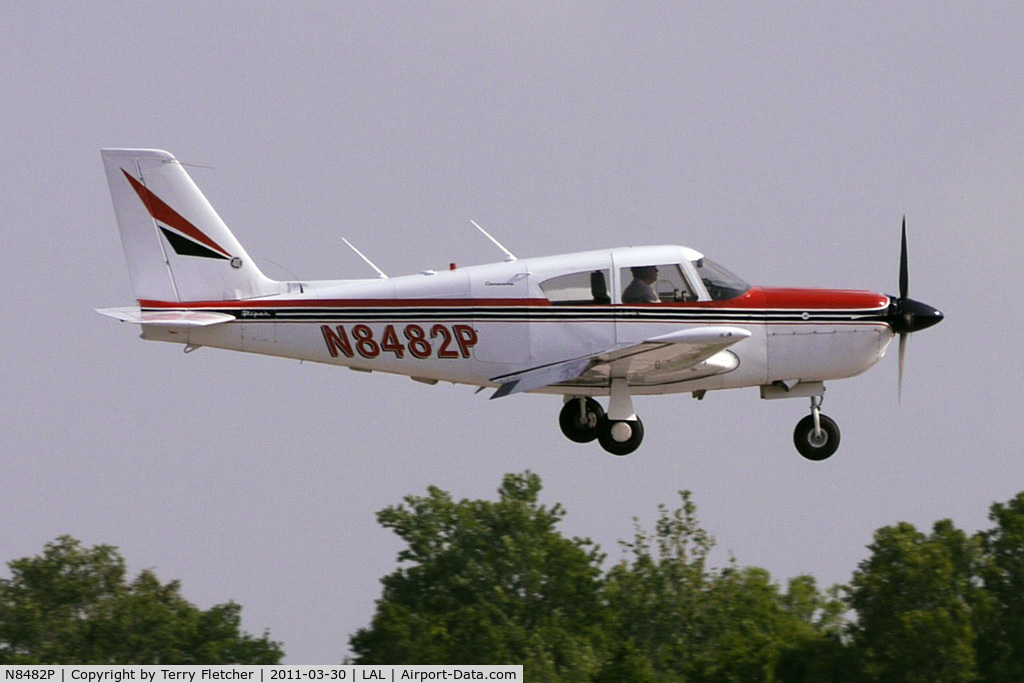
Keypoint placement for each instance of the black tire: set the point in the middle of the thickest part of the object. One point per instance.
(615, 447)
(574, 426)
(816, 449)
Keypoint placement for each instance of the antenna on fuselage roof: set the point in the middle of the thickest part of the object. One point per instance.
(380, 273)
(509, 256)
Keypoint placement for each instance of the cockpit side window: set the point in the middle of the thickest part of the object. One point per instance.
(653, 283)
(721, 284)
(588, 287)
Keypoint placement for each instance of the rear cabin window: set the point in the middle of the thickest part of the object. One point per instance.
(589, 287)
(654, 283)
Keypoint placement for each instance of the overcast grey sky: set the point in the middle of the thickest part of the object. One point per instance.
(784, 140)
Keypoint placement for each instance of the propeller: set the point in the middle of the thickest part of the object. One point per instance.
(906, 316)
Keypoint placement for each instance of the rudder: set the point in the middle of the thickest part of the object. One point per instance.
(178, 249)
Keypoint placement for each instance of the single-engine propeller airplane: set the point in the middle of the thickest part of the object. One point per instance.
(610, 322)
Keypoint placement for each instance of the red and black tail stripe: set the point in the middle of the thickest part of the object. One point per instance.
(185, 238)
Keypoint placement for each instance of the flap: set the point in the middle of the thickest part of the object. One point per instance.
(542, 376)
(666, 354)
(656, 358)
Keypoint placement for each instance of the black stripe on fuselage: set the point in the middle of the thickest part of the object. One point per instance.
(539, 314)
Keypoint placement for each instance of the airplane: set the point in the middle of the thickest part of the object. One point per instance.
(614, 322)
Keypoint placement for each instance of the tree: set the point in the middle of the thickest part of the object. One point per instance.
(656, 597)
(697, 623)
(485, 582)
(817, 653)
(72, 605)
(999, 611)
(913, 599)
(495, 582)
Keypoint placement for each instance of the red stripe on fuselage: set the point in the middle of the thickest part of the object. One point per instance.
(345, 303)
(757, 298)
(822, 299)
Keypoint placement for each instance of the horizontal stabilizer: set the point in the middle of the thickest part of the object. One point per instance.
(133, 314)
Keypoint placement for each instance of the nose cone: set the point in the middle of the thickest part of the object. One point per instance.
(906, 316)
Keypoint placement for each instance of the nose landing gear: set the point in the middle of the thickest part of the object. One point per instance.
(817, 435)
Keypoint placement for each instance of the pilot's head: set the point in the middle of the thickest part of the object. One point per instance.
(645, 273)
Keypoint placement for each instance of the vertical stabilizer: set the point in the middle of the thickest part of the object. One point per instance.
(177, 247)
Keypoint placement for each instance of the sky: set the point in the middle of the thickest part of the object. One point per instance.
(784, 140)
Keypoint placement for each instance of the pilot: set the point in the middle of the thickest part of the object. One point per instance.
(640, 290)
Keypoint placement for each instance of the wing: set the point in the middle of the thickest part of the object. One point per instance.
(672, 357)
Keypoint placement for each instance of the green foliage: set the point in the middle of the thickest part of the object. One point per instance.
(72, 605)
(913, 600)
(655, 598)
(495, 582)
(627, 663)
(702, 624)
(999, 612)
(484, 582)
(487, 583)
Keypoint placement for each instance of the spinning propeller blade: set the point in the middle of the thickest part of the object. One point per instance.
(905, 315)
(904, 274)
(902, 360)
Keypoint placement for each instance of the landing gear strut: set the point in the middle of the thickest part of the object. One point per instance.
(579, 419)
(817, 435)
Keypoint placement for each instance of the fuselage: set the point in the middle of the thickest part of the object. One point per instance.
(471, 325)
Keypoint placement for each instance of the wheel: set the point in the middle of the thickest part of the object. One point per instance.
(820, 447)
(577, 426)
(620, 437)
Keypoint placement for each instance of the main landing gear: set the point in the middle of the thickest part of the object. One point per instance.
(619, 431)
(817, 435)
(579, 419)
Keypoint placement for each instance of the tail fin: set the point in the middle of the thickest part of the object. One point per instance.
(177, 247)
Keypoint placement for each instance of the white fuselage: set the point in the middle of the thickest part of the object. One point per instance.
(473, 324)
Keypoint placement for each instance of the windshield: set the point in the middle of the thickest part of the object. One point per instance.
(720, 282)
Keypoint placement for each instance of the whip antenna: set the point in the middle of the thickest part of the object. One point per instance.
(509, 256)
(380, 273)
